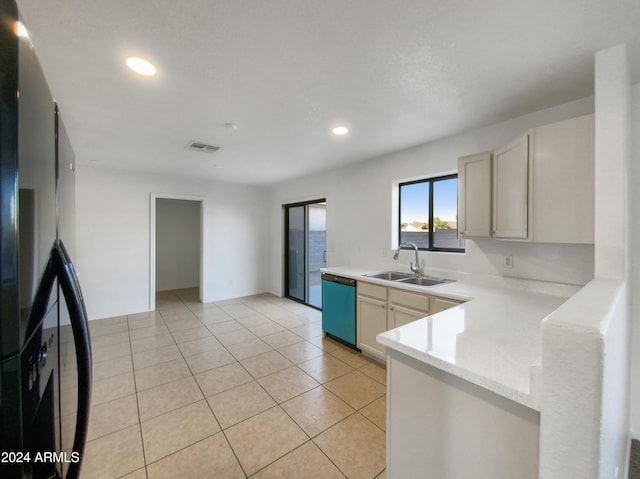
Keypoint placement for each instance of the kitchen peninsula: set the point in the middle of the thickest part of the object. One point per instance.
(456, 375)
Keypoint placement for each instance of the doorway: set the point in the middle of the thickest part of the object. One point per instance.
(305, 251)
(177, 239)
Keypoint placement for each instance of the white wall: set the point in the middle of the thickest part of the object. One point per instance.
(634, 260)
(361, 203)
(113, 237)
(177, 244)
(612, 168)
(585, 343)
(611, 151)
(583, 418)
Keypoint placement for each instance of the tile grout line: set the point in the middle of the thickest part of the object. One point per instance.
(92, 406)
(276, 404)
(222, 430)
(178, 408)
(135, 388)
(310, 439)
(320, 384)
(253, 378)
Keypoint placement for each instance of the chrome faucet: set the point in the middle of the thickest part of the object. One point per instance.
(416, 269)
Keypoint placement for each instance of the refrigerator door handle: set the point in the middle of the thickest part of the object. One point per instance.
(41, 298)
(68, 281)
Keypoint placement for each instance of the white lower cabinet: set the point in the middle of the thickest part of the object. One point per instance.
(406, 307)
(371, 318)
(399, 316)
(440, 304)
(380, 309)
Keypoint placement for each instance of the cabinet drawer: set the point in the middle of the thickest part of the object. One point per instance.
(372, 290)
(409, 300)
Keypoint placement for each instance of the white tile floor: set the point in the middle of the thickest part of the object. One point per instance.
(241, 388)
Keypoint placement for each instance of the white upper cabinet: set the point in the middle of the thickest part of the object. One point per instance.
(541, 188)
(474, 196)
(511, 190)
(563, 183)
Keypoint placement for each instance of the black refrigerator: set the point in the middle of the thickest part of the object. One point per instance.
(45, 349)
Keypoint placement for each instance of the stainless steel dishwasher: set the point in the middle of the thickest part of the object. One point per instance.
(339, 308)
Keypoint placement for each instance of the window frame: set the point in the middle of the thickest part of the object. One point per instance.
(431, 182)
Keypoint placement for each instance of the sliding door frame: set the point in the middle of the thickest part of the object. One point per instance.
(286, 208)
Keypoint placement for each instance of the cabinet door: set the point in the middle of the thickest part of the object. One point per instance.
(474, 196)
(405, 307)
(372, 320)
(401, 315)
(440, 304)
(511, 190)
(563, 182)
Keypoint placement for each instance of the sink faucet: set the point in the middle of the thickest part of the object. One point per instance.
(416, 269)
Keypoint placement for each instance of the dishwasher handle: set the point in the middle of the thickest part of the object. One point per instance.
(338, 279)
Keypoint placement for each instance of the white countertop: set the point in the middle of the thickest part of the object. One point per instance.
(492, 340)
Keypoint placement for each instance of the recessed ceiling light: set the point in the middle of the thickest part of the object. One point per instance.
(340, 130)
(141, 66)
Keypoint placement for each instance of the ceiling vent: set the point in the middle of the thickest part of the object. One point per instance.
(202, 147)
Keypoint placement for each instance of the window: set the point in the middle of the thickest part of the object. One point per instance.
(429, 214)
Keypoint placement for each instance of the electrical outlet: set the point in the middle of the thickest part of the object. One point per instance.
(507, 261)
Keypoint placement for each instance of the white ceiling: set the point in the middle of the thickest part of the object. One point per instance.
(398, 73)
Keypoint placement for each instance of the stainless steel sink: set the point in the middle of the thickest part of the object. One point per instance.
(424, 281)
(408, 278)
(389, 275)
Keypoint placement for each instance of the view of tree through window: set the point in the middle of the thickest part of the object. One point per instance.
(429, 214)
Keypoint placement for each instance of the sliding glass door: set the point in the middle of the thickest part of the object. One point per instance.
(305, 251)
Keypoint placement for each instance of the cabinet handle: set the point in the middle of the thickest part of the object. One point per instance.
(391, 308)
